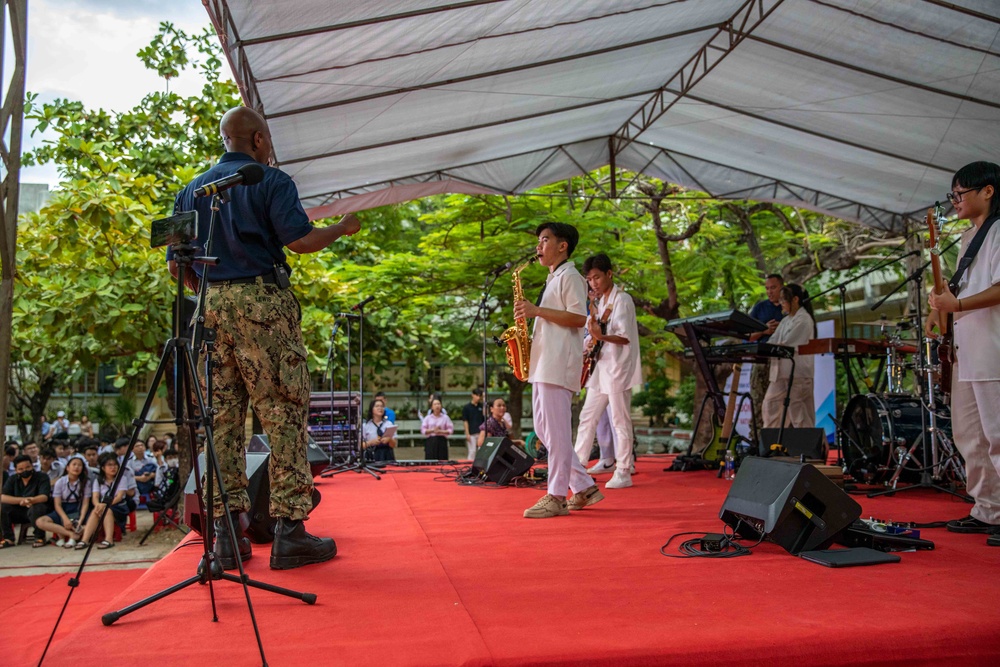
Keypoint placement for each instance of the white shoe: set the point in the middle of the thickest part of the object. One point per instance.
(621, 480)
(631, 469)
(70, 543)
(601, 467)
(61, 542)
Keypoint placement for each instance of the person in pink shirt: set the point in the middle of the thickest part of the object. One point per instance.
(437, 427)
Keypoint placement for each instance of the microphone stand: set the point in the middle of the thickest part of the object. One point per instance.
(356, 460)
(482, 315)
(842, 288)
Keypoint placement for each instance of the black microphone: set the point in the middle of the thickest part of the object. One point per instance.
(500, 269)
(248, 174)
(362, 304)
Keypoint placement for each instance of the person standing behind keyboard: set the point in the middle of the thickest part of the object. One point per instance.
(260, 356)
(796, 328)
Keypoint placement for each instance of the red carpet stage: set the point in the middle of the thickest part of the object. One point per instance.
(433, 573)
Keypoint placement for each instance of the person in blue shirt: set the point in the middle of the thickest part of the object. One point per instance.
(390, 414)
(260, 356)
(769, 312)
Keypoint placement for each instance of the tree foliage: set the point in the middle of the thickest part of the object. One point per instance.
(90, 290)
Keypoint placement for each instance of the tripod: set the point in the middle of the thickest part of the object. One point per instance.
(355, 458)
(191, 410)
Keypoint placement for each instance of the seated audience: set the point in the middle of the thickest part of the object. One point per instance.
(72, 499)
(117, 509)
(376, 444)
(143, 467)
(49, 463)
(86, 427)
(169, 470)
(24, 499)
(90, 456)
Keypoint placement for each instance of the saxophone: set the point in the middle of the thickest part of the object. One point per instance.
(516, 337)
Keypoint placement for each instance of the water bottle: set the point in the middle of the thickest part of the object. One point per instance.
(730, 465)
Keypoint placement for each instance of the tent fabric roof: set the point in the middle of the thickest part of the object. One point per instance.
(860, 108)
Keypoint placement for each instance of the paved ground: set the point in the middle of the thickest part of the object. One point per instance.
(25, 560)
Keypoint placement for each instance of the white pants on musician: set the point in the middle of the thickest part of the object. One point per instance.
(801, 404)
(594, 407)
(552, 409)
(975, 425)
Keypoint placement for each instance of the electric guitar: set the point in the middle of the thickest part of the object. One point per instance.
(946, 341)
(590, 357)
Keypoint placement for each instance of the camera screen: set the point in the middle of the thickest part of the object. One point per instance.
(179, 228)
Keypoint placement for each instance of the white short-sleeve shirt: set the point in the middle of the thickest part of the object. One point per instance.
(793, 330)
(977, 342)
(617, 368)
(557, 351)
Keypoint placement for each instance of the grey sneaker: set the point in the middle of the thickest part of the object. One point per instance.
(547, 506)
(601, 467)
(621, 480)
(584, 498)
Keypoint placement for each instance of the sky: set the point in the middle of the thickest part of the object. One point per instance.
(85, 50)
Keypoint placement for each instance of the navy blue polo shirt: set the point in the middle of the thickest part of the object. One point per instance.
(765, 311)
(252, 229)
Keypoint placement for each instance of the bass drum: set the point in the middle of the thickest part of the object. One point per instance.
(875, 428)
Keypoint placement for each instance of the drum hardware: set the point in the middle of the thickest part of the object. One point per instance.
(931, 437)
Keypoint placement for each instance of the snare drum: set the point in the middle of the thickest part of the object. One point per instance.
(874, 426)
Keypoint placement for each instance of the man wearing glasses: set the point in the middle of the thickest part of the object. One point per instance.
(974, 298)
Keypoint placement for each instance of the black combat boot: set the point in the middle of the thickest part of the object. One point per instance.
(224, 552)
(294, 547)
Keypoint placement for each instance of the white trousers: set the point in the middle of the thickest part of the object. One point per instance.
(472, 442)
(595, 405)
(975, 424)
(801, 404)
(552, 408)
(605, 437)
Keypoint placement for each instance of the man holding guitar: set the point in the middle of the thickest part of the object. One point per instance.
(973, 296)
(614, 365)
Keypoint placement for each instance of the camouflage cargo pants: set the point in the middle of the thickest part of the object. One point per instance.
(261, 359)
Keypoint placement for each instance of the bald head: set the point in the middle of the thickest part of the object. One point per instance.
(244, 130)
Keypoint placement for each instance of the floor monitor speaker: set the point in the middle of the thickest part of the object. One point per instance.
(791, 504)
(797, 441)
(256, 472)
(258, 524)
(500, 460)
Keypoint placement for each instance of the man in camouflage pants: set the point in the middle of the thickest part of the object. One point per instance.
(260, 355)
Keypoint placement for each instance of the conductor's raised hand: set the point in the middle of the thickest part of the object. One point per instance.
(351, 224)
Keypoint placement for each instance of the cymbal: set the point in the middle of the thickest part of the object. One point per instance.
(902, 323)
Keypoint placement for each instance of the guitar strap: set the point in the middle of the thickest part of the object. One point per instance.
(970, 254)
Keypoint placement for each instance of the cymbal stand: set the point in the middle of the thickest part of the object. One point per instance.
(930, 433)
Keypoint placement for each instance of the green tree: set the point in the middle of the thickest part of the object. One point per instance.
(90, 289)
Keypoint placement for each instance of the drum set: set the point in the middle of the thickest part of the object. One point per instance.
(900, 431)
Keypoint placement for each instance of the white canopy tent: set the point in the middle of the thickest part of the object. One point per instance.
(859, 108)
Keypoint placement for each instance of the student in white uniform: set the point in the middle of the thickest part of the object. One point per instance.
(554, 372)
(796, 328)
(615, 371)
(975, 387)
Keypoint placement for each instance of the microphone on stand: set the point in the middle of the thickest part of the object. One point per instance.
(248, 174)
(362, 304)
(509, 265)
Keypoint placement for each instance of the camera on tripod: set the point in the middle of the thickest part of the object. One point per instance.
(177, 230)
